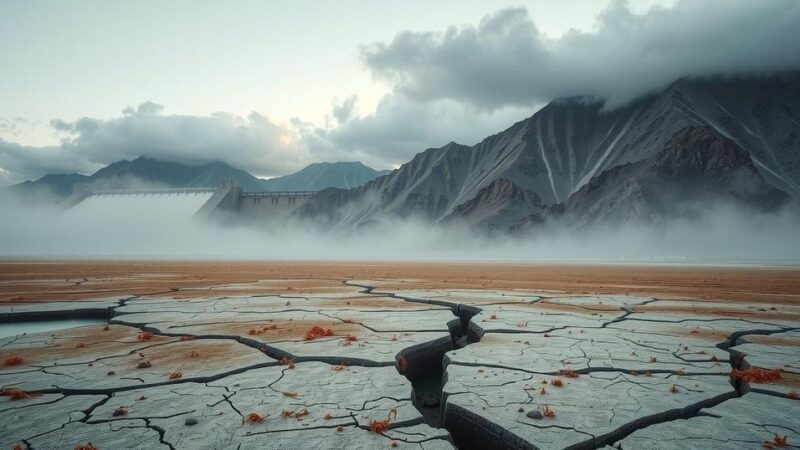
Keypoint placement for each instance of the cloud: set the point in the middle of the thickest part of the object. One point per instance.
(401, 127)
(342, 112)
(505, 60)
(254, 143)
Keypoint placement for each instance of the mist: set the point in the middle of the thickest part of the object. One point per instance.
(153, 227)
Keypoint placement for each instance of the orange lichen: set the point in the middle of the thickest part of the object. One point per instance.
(402, 364)
(340, 428)
(542, 391)
(569, 373)
(379, 426)
(548, 412)
(653, 359)
(493, 317)
(19, 447)
(679, 372)
(557, 382)
(144, 336)
(175, 375)
(777, 441)
(756, 375)
(327, 416)
(287, 362)
(338, 367)
(121, 411)
(194, 354)
(348, 340)
(317, 332)
(295, 414)
(17, 394)
(14, 361)
(254, 417)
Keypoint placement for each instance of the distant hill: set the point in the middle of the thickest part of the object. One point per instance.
(146, 171)
(318, 176)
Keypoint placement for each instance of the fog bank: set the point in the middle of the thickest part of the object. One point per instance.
(162, 228)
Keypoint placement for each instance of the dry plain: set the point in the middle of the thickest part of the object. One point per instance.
(385, 354)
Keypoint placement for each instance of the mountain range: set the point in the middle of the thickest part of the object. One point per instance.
(151, 172)
(671, 153)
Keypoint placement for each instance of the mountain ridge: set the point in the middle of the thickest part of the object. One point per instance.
(561, 148)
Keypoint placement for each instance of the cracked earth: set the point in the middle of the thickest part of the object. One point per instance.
(302, 355)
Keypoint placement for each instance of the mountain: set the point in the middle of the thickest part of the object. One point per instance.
(173, 174)
(560, 149)
(60, 185)
(145, 171)
(318, 176)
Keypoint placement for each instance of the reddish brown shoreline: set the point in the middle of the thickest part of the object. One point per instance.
(36, 281)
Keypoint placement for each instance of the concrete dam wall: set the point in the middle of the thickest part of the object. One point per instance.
(203, 203)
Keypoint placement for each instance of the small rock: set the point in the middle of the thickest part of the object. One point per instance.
(534, 414)
(144, 365)
(190, 421)
(110, 372)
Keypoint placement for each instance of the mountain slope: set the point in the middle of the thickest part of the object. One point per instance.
(318, 176)
(696, 170)
(558, 150)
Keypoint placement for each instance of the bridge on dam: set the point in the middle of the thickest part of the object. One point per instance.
(206, 202)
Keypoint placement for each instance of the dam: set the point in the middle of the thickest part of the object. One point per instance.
(223, 202)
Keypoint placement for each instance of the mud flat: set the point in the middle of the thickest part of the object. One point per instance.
(385, 355)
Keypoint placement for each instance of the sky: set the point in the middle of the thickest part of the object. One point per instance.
(270, 87)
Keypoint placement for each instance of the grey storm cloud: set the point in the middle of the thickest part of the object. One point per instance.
(254, 143)
(506, 60)
(401, 127)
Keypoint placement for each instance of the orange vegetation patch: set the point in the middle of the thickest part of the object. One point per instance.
(254, 417)
(569, 373)
(548, 412)
(777, 441)
(348, 340)
(557, 382)
(144, 336)
(120, 412)
(17, 394)
(176, 375)
(317, 332)
(756, 375)
(87, 446)
(379, 426)
(295, 414)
